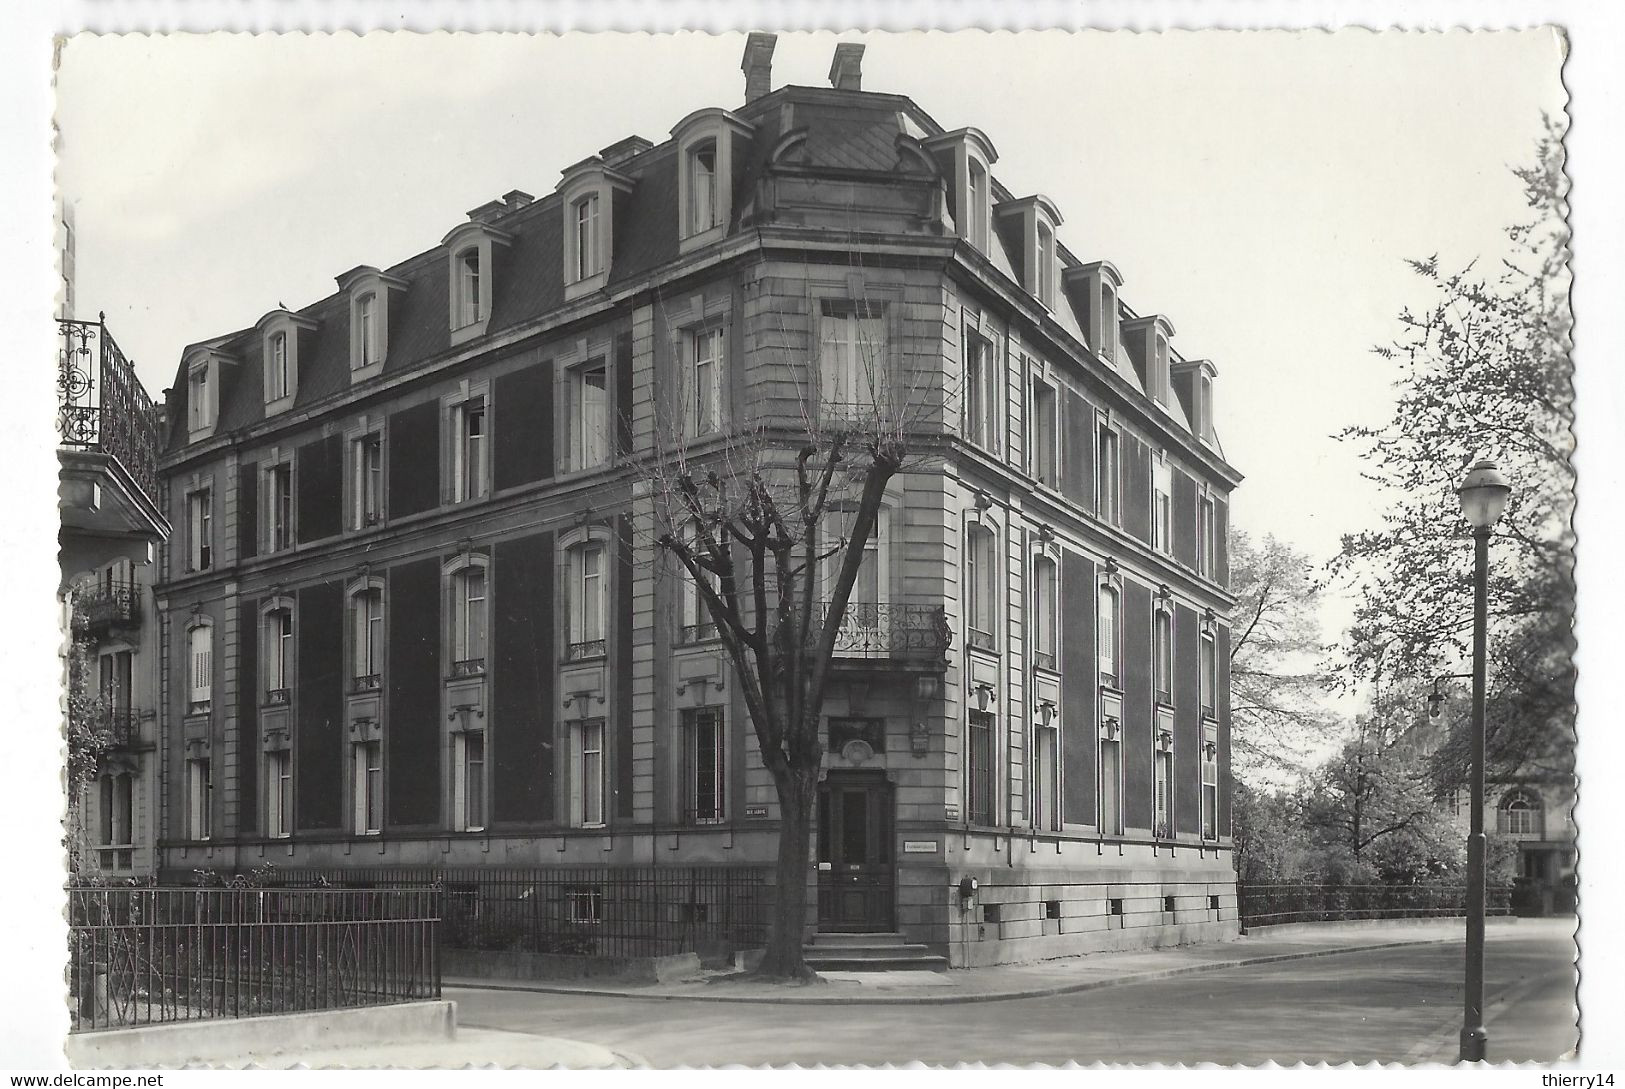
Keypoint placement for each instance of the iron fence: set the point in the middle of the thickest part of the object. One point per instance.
(604, 911)
(101, 404)
(1270, 905)
(151, 955)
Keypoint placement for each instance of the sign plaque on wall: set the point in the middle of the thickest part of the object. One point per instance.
(919, 846)
(951, 812)
(755, 812)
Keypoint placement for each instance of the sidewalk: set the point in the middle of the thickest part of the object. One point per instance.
(1039, 979)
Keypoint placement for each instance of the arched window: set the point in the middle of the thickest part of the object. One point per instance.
(1162, 656)
(468, 620)
(1106, 632)
(1044, 287)
(695, 620)
(468, 287)
(1520, 813)
(367, 636)
(1210, 675)
(276, 378)
(981, 586)
(702, 187)
(1045, 612)
(587, 597)
(200, 666)
(278, 653)
(977, 203)
(366, 317)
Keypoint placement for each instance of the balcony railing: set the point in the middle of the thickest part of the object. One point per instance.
(696, 633)
(369, 683)
(101, 404)
(122, 725)
(276, 697)
(468, 667)
(1044, 659)
(106, 605)
(590, 648)
(895, 630)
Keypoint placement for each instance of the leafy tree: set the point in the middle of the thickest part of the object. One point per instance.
(1275, 660)
(1484, 368)
(88, 739)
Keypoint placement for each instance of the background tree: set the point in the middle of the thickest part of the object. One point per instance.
(89, 737)
(1483, 369)
(1276, 661)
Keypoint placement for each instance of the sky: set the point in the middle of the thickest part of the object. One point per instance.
(1261, 190)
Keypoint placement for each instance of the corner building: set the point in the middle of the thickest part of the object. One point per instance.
(415, 619)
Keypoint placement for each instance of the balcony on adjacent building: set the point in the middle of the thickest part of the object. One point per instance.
(107, 605)
(901, 632)
(122, 725)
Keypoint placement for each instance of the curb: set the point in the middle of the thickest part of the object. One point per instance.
(957, 999)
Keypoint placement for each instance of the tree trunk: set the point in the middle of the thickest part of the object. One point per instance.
(797, 788)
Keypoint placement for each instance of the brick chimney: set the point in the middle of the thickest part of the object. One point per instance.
(758, 65)
(846, 70)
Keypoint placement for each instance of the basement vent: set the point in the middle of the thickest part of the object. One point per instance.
(1114, 907)
(990, 913)
(1213, 903)
(1052, 909)
(1168, 904)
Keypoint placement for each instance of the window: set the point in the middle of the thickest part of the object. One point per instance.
(367, 639)
(1041, 434)
(468, 622)
(981, 587)
(368, 485)
(1207, 545)
(468, 455)
(589, 415)
(977, 203)
(1210, 674)
(279, 495)
(1520, 813)
(1044, 612)
(981, 392)
(585, 217)
(199, 406)
(1210, 791)
(1162, 820)
(1046, 775)
(1107, 634)
(276, 367)
(1162, 656)
(695, 618)
(1162, 505)
(587, 781)
(117, 676)
(366, 314)
(979, 768)
(853, 359)
(1107, 477)
(866, 628)
(278, 654)
(707, 788)
(199, 530)
(702, 188)
(117, 810)
(586, 599)
(199, 787)
(200, 657)
(469, 303)
(367, 787)
(468, 781)
(1044, 283)
(1111, 788)
(705, 397)
(278, 794)
(1110, 331)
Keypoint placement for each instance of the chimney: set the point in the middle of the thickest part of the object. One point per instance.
(846, 70)
(515, 199)
(758, 65)
(622, 150)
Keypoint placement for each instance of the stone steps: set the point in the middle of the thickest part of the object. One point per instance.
(883, 952)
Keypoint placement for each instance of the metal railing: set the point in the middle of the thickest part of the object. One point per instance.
(1269, 905)
(588, 648)
(155, 955)
(696, 633)
(276, 697)
(123, 726)
(468, 667)
(370, 682)
(105, 605)
(606, 911)
(101, 404)
(890, 629)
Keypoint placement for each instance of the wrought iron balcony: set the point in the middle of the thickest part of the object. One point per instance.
(276, 697)
(891, 630)
(106, 605)
(368, 683)
(101, 404)
(123, 725)
(591, 648)
(468, 667)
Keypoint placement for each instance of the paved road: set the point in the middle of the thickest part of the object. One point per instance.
(1396, 1005)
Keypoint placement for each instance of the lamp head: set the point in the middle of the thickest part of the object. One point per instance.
(1483, 493)
(1434, 701)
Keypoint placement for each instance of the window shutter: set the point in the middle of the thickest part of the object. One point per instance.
(623, 393)
(248, 498)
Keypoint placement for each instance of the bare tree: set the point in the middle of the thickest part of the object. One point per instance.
(770, 525)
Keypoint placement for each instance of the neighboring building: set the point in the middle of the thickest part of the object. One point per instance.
(1536, 815)
(111, 527)
(415, 618)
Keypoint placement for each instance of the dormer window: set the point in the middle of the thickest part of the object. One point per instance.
(705, 147)
(471, 249)
(1044, 274)
(199, 399)
(1093, 290)
(1147, 341)
(966, 157)
(588, 191)
(1034, 220)
(282, 335)
(369, 292)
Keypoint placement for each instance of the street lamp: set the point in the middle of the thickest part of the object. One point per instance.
(1483, 494)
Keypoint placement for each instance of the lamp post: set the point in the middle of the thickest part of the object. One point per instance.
(1483, 494)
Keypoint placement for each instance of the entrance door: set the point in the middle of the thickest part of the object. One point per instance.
(855, 853)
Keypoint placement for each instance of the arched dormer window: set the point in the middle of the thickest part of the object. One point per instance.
(369, 291)
(467, 612)
(1093, 289)
(471, 252)
(966, 157)
(1521, 813)
(587, 195)
(282, 334)
(1147, 339)
(707, 141)
(1034, 221)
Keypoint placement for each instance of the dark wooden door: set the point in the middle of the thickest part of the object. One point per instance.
(855, 871)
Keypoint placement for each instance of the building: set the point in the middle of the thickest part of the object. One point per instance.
(414, 619)
(111, 531)
(1535, 815)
